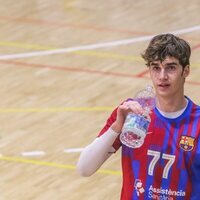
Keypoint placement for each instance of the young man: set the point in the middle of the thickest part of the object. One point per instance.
(167, 165)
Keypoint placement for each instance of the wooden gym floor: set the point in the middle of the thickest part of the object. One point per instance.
(64, 65)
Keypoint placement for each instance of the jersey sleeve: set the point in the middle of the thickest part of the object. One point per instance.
(117, 143)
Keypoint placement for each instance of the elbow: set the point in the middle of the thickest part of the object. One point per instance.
(83, 171)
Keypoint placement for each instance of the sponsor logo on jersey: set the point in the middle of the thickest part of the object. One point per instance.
(165, 194)
(158, 193)
(186, 143)
(138, 187)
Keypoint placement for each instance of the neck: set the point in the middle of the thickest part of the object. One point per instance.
(171, 104)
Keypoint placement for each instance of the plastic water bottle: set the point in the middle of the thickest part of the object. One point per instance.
(135, 126)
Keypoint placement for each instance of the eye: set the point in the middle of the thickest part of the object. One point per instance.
(171, 68)
(155, 68)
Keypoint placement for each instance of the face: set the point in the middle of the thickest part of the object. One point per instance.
(168, 77)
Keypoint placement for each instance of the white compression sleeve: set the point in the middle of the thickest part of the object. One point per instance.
(95, 154)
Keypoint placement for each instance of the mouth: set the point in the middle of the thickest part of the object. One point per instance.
(163, 86)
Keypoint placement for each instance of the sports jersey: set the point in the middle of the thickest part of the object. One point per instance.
(167, 165)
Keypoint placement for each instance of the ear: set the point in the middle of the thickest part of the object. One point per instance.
(186, 71)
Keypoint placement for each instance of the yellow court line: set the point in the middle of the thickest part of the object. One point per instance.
(54, 110)
(86, 53)
(109, 55)
(52, 164)
(26, 46)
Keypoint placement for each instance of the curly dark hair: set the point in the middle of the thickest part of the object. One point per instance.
(164, 45)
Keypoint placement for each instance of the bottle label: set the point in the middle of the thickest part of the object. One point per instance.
(134, 130)
(137, 122)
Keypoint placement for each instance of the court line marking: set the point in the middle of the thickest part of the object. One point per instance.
(74, 69)
(71, 69)
(81, 70)
(85, 53)
(92, 46)
(55, 165)
(195, 47)
(26, 45)
(79, 26)
(54, 110)
(71, 25)
(33, 153)
(73, 150)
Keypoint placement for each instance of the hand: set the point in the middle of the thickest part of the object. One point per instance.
(122, 111)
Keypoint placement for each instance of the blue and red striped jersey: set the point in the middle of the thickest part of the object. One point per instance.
(167, 166)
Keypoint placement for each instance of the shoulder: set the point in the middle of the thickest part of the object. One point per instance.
(194, 108)
(194, 105)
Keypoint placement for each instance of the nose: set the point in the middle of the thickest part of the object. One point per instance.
(163, 74)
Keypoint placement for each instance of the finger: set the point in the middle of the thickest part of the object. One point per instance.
(134, 106)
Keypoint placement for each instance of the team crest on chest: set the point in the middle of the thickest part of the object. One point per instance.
(186, 143)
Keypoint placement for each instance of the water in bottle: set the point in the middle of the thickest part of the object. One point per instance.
(135, 126)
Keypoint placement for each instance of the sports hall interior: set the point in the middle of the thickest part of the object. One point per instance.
(64, 66)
